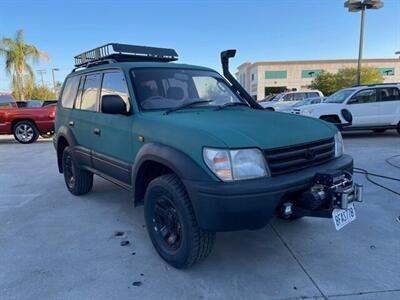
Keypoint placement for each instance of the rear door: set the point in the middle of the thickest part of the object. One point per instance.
(389, 99)
(82, 117)
(365, 108)
(112, 136)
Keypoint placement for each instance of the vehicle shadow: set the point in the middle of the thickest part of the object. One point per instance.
(369, 134)
(9, 139)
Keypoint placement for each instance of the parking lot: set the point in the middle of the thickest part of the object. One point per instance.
(54, 245)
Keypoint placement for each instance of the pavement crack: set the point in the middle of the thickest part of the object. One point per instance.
(298, 261)
(365, 293)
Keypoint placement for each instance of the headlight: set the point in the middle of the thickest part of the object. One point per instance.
(339, 146)
(307, 112)
(238, 164)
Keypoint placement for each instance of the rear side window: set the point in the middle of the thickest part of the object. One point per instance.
(312, 95)
(90, 92)
(299, 96)
(389, 94)
(114, 83)
(69, 92)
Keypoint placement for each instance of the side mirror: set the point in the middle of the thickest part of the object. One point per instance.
(113, 105)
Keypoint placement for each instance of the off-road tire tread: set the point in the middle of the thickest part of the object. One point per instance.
(203, 241)
(83, 178)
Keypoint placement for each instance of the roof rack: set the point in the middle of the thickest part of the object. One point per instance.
(124, 53)
(374, 84)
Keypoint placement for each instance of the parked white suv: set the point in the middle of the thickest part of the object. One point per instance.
(373, 107)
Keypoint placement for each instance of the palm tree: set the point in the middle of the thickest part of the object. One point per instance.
(17, 54)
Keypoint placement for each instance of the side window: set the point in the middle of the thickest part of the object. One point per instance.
(299, 96)
(312, 95)
(114, 83)
(389, 94)
(288, 97)
(90, 92)
(365, 96)
(69, 92)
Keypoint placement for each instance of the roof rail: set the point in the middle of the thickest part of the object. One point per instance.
(124, 53)
(374, 84)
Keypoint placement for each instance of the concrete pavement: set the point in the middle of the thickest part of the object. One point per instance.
(54, 245)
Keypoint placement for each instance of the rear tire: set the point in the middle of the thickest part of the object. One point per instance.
(78, 181)
(172, 225)
(25, 132)
(398, 128)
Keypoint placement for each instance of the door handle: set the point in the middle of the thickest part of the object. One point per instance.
(97, 131)
(71, 123)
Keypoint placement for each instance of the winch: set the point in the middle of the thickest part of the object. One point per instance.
(331, 189)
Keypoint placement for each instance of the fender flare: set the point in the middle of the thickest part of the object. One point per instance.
(67, 134)
(180, 163)
(177, 161)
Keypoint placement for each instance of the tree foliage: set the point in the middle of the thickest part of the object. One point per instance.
(17, 54)
(328, 83)
(33, 91)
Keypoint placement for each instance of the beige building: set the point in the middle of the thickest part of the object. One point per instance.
(263, 78)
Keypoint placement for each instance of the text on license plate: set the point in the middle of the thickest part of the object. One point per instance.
(342, 217)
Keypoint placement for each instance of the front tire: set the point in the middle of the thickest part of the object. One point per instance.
(398, 128)
(25, 132)
(172, 225)
(78, 181)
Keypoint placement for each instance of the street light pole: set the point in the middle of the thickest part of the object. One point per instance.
(361, 45)
(356, 6)
(42, 73)
(54, 77)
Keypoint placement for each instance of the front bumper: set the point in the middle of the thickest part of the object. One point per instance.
(250, 204)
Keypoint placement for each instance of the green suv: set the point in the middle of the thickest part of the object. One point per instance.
(195, 149)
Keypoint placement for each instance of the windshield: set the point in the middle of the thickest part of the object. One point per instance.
(162, 88)
(339, 96)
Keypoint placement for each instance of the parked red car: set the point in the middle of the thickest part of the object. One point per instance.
(26, 124)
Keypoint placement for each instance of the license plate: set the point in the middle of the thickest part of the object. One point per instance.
(342, 217)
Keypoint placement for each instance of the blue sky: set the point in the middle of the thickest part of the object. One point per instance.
(199, 30)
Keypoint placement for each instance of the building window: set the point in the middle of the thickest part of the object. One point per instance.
(275, 74)
(252, 77)
(386, 71)
(310, 73)
(243, 79)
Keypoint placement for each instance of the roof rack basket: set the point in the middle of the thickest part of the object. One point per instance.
(124, 53)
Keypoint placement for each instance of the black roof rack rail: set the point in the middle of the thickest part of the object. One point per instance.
(124, 53)
(374, 84)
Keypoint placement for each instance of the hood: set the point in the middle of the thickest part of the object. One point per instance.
(235, 128)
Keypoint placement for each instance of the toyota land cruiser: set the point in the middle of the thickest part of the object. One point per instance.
(195, 149)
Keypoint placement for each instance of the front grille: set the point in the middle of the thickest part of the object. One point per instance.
(292, 158)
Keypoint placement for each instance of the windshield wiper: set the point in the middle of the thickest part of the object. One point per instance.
(231, 104)
(186, 105)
